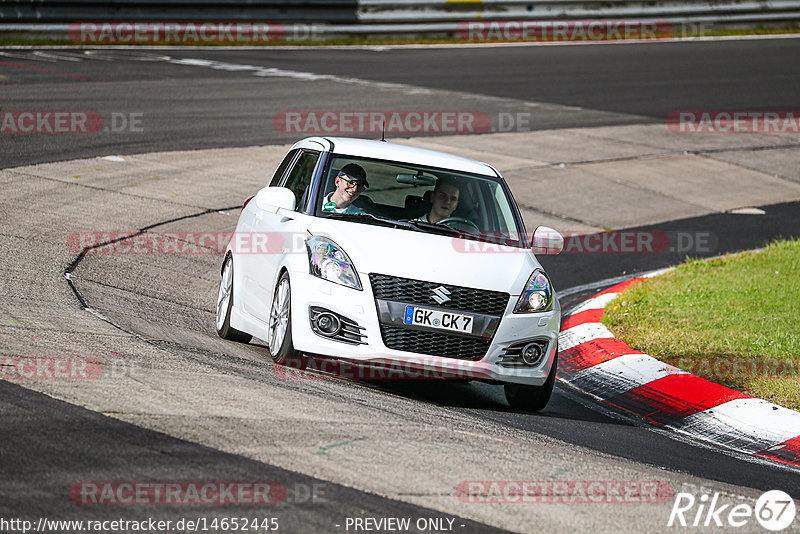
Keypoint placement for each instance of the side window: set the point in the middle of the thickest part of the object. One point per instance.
(300, 175)
(276, 178)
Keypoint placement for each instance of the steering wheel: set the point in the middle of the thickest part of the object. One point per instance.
(459, 221)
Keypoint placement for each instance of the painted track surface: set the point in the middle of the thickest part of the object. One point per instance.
(202, 402)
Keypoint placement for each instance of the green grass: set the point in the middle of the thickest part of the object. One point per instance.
(733, 320)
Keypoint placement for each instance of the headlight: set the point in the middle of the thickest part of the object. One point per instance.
(328, 261)
(537, 296)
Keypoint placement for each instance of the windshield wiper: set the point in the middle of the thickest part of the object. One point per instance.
(409, 224)
(437, 228)
(368, 217)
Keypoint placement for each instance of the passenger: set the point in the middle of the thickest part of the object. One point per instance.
(444, 201)
(350, 182)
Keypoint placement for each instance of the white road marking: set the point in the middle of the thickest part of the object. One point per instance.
(596, 303)
(749, 425)
(272, 72)
(582, 333)
(622, 374)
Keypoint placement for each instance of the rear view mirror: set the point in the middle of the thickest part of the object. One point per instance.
(274, 198)
(547, 241)
(416, 179)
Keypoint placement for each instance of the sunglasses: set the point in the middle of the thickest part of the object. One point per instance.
(351, 183)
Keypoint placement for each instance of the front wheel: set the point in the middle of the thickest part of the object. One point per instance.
(225, 304)
(281, 347)
(532, 398)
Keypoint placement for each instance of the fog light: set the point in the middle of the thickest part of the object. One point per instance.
(532, 353)
(328, 324)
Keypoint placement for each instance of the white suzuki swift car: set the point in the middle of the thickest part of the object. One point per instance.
(386, 255)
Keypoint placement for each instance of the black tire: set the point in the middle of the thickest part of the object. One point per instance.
(532, 398)
(284, 353)
(224, 329)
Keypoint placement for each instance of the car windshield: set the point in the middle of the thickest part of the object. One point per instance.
(418, 198)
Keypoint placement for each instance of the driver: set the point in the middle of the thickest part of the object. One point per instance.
(350, 182)
(444, 201)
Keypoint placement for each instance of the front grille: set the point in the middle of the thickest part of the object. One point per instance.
(465, 299)
(434, 343)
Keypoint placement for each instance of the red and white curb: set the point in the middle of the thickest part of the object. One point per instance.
(593, 361)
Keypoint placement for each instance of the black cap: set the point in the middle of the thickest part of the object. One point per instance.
(355, 172)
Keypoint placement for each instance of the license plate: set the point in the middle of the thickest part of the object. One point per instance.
(456, 322)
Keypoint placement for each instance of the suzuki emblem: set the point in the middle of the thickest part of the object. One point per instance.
(440, 295)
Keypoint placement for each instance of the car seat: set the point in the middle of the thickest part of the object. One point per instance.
(417, 206)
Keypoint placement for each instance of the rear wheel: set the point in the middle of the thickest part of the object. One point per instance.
(281, 347)
(532, 398)
(225, 304)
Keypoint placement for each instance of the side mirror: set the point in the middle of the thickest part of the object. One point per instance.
(547, 241)
(275, 198)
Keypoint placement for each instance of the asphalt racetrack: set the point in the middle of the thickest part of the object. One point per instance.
(177, 404)
(576, 86)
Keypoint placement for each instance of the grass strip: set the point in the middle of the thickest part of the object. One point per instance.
(734, 320)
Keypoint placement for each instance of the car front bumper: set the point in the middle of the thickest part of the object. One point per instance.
(360, 306)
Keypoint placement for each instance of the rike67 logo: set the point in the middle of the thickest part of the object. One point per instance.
(774, 511)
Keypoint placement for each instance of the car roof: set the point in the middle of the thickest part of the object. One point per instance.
(367, 148)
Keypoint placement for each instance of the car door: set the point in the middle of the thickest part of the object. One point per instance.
(282, 231)
(249, 265)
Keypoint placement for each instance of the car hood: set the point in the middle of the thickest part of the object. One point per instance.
(430, 257)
